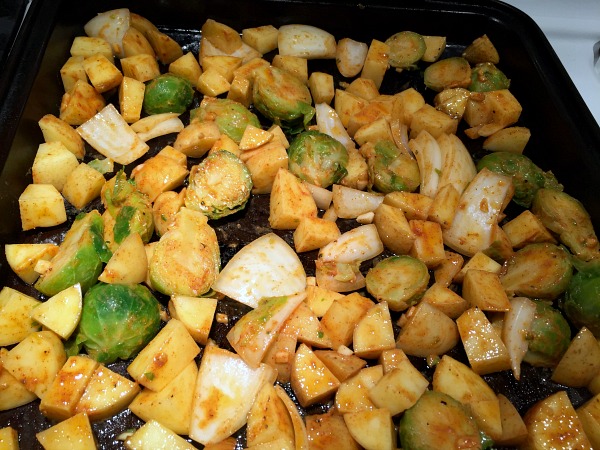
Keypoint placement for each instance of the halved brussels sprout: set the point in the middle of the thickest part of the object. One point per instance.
(231, 117)
(283, 98)
(219, 186)
(581, 303)
(117, 321)
(487, 77)
(548, 337)
(406, 49)
(168, 93)
(390, 169)
(527, 177)
(317, 158)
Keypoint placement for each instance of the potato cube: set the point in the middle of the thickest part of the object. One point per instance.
(262, 38)
(187, 67)
(222, 64)
(353, 393)
(14, 393)
(526, 229)
(313, 233)
(269, 420)
(484, 290)
(320, 299)
(511, 139)
(22, 259)
(342, 316)
(372, 428)
(221, 36)
(295, 65)
(153, 434)
(74, 433)
(131, 99)
(225, 143)
(429, 243)
(433, 121)
(406, 103)
(102, 73)
(589, 414)
(128, 263)
(55, 129)
(15, 315)
(72, 71)
(479, 261)
(83, 185)
(197, 138)
(88, 46)
(434, 47)
(196, 314)
(254, 137)
(321, 87)
(311, 380)
(444, 205)
(414, 205)
(347, 104)
(445, 299)
(342, 366)
(80, 103)
(580, 363)
(249, 68)
(376, 62)
(52, 164)
(377, 130)
(290, 201)
(514, 431)
(166, 48)
(453, 101)
(374, 332)
(304, 324)
(159, 174)
(264, 163)
(280, 355)
(240, 90)
(364, 88)
(212, 83)
(327, 431)
(372, 112)
(135, 43)
(41, 205)
(393, 228)
(447, 270)
(61, 312)
(9, 438)
(142, 67)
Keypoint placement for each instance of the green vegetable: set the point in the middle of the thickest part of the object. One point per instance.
(317, 158)
(117, 321)
(527, 177)
(219, 186)
(487, 77)
(540, 270)
(186, 259)
(390, 169)
(439, 422)
(168, 93)
(399, 280)
(406, 49)
(548, 337)
(581, 303)
(79, 258)
(282, 98)
(453, 72)
(568, 218)
(231, 117)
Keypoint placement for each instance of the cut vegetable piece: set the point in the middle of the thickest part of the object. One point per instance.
(349, 203)
(448, 73)
(359, 244)
(580, 363)
(155, 435)
(269, 420)
(515, 326)
(266, 267)
(74, 433)
(15, 316)
(350, 56)
(406, 48)
(306, 41)
(61, 312)
(430, 160)
(311, 380)
(372, 429)
(110, 26)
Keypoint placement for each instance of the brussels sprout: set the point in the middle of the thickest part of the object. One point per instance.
(117, 321)
(540, 270)
(581, 303)
(390, 169)
(79, 258)
(186, 259)
(131, 209)
(219, 186)
(568, 218)
(168, 93)
(527, 177)
(548, 337)
(231, 117)
(406, 49)
(487, 77)
(283, 98)
(318, 158)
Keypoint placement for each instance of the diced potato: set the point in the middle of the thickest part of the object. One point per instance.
(197, 138)
(72, 71)
(152, 435)
(240, 91)
(347, 104)
(106, 394)
(300, 435)
(511, 139)
(376, 62)
(61, 312)
(213, 83)
(280, 355)
(428, 245)
(374, 111)
(364, 88)
(15, 315)
(342, 366)
(9, 438)
(304, 324)
(172, 405)
(313, 233)
(74, 433)
(444, 205)
(83, 185)
(391, 359)
(41, 205)
(295, 65)
(448, 269)
(229, 443)
(12, 392)
(128, 263)
(221, 36)
(481, 50)
(311, 380)
(290, 201)
(262, 38)
(580, 363)
(414, 205)
(22, 259)
(372, 429)
(342, 316)
(169, 352)
(435, 122)
(80, 103)
(254, 137)
(479, 261)
(264, 163)
(326, 431)
(66, 390)
(377, 130)
(353, 394)
(196, 314)
(453, 101)
(166, 48)
(393, 228)
(374, 332)
(269, 420)
(131, 99)
(482, 342)
(248, 68)
(223, 64)
(406, 103)
(322, 88)
(159, 174)
(187, 67)
(88, 46)
(36, 360)
(514, 431)
(226, 143)
(55, 129)
(102, 73)
(490, 112)
(142, 67)
(589, 415)
(483, 289)
(320, 299)
(135, 43)
(526, 229)
(434, 47)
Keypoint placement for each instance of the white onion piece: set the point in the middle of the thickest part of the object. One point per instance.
(329, 122)
(400, 135)
(157, 125)
(359, 244)
(266, 267)
(350, 56)
(430, 161)
(328, 277)
(306, 41)
(110, 26)
(321, 195)
(472, 228)
(349, 203)
(458, 167)
(516, 324)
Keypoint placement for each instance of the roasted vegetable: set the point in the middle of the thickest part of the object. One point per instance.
(282, 98)
(117, 321)
(317, 158)
(549, 336)
(568, 218)
(399, 280)
(581, 303)
(219, 186)
(526, 175)
(487, 77)
(406, 49)
(230, 116)
(539, 270)
(390, 169)
(453, 72)
(79, 258)
(186, 259)
(168, 93)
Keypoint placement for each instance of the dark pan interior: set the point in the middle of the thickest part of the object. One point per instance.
(565, 137)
